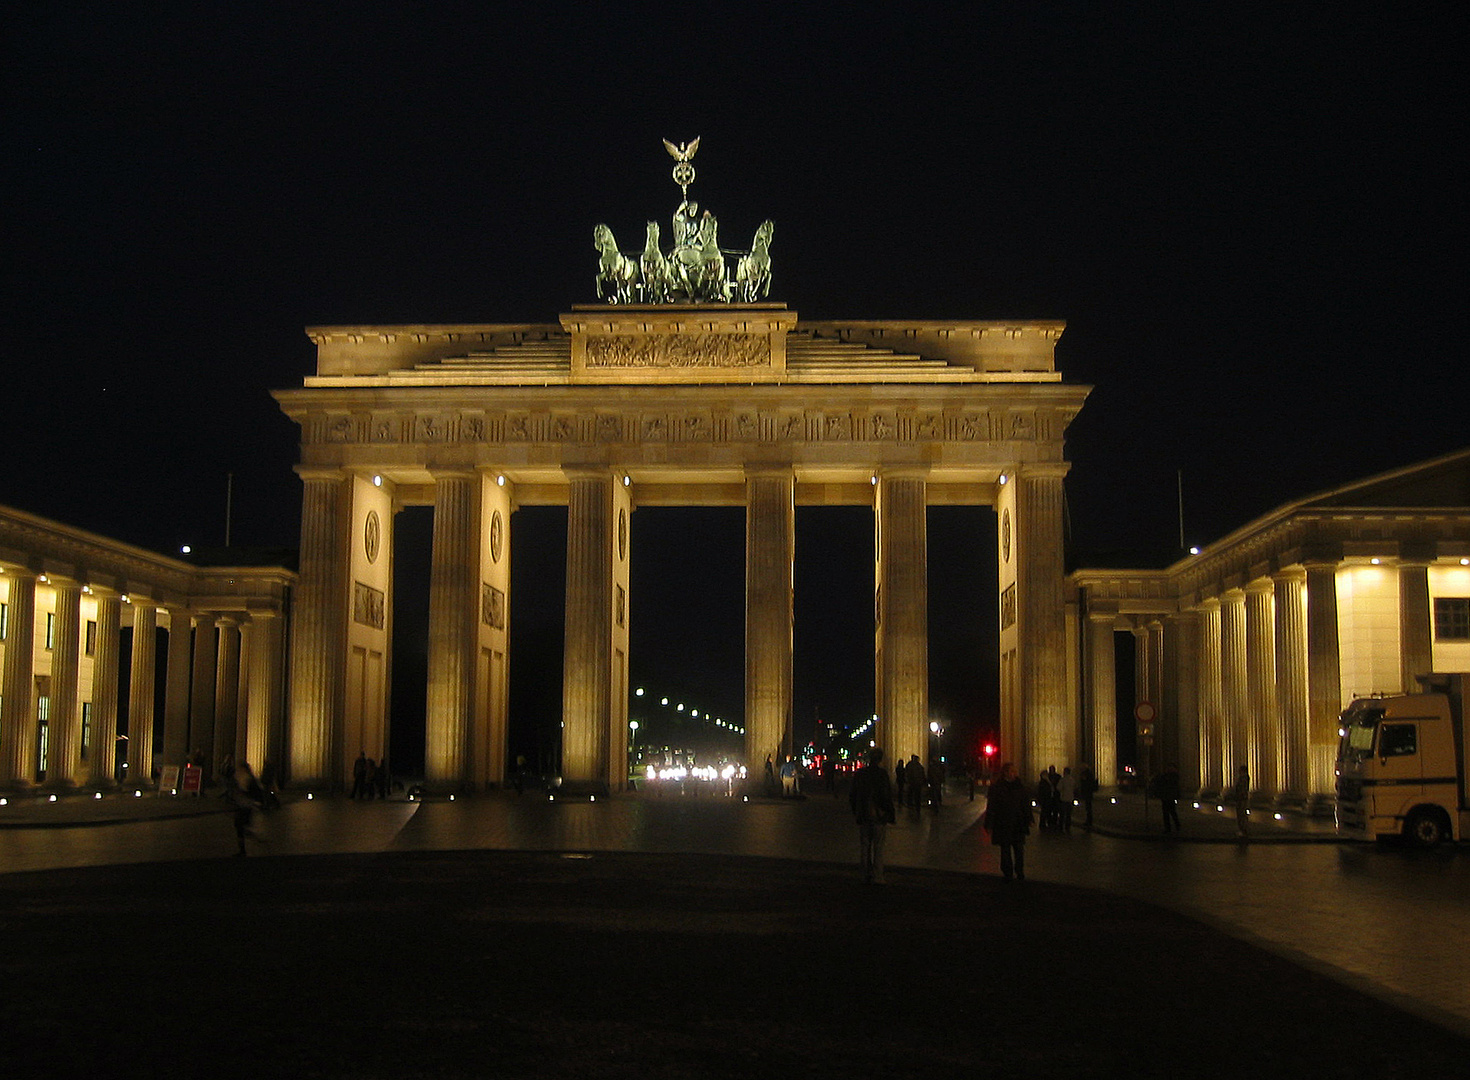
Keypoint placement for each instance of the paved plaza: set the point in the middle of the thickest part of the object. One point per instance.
(673, 935)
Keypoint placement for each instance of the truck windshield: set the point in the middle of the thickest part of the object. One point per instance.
(1357, 734)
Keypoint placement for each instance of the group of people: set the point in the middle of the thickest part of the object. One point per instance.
(1057, 795)
(916, 785)
(369, 777)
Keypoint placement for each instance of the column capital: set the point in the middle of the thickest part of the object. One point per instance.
(319, 472)
(1260, 587)
(1043, 470)
(452, 472)
(1289, 574)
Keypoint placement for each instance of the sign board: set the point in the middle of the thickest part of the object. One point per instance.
(169, 781)
(1144, 712)
(193, 779)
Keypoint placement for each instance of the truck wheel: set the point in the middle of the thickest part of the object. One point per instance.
(1424, 829)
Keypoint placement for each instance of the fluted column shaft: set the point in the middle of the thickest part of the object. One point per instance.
(176, 688)
(1235, 746)
(453, 612)
(1180, 706)
(1324, 679)
(65, 723)
(770, 549)
(102, 760)
(1416, 640)
(264, 734)
(1291, 684)
(1260, 658)
(227, 692)
(319, 633)
(18, 684)
(1211, 709)
(1104, 690)
(202, 693)
(903, 617)
(587, 662)
(142, 683)
(1050, 734)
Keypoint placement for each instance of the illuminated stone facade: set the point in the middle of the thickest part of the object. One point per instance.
(1250, 649)
(619, 407)
(65, 597)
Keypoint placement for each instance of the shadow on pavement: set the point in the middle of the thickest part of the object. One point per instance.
(511, 964)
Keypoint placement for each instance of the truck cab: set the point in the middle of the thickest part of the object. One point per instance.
(1401, 766)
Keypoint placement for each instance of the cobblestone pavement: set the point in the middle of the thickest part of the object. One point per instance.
(1392, 922)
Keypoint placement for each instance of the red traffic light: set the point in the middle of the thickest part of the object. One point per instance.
(989, 749)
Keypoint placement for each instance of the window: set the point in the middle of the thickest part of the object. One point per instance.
(91, 637)
(86, 727)
(1398, 740)
(4, 619)
(50, 630)
(1452, 618)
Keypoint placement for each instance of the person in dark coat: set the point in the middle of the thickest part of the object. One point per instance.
(1043, 799)
(1166, 787)
(1008, 820)
(1087, 788)
(871, 800)
(914, 782)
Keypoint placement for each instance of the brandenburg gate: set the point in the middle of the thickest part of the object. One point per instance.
(685, 387)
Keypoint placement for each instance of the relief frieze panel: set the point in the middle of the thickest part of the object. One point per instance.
(679, 351)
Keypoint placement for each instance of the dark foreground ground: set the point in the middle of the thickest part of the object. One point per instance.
(501, 964)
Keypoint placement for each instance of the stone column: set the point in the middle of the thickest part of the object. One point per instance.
(1179, 710)
(1211, 707)
(1104, 693)
(1416, 638)
(264, 731)
(903, 617)
(1291, 684)
(1050, 735)
(770, 551)
(1324, 682)
(227, 691)
(141, 686)
(176, 688)
(202, 692)
(1260, 663)
(18, 685)
(65, 724)
(587, 664)
(319, 631)
(102, 761)
(454, 610)
(1235, 745)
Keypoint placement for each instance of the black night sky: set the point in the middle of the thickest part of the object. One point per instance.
(1248, 215)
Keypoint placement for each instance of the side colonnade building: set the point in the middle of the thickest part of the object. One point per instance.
(1248, 650)
(66, 596)
(616, 407)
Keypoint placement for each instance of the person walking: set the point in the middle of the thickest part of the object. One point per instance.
(359, 775)
(914, 782)
(1167, 790)
(1087, 787)
(936, 783)
(1066, 796)
(788, 777)
(871, 800)
(244, 796)
(1043, 799)
(1008, 819)
(899, 773)
(1241, 792)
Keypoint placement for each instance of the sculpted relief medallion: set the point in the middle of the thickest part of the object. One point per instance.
(1005, 535)
(497, 536)
(622, 535)
(372, 532)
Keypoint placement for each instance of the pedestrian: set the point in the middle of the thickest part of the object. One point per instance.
(244, 795)
(899, 774)
(359, 774)
(1043, 799)
(1241, 791)
(788, 777)
(1088, 788)
(936, 783)
(368, 776)
(1066, 798)
(1166, 788)
(871, 800)
(1008, 820)
(914, 782)
(1055, 805)
(770, 777)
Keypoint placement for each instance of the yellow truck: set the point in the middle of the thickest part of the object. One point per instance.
(1401, 765)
